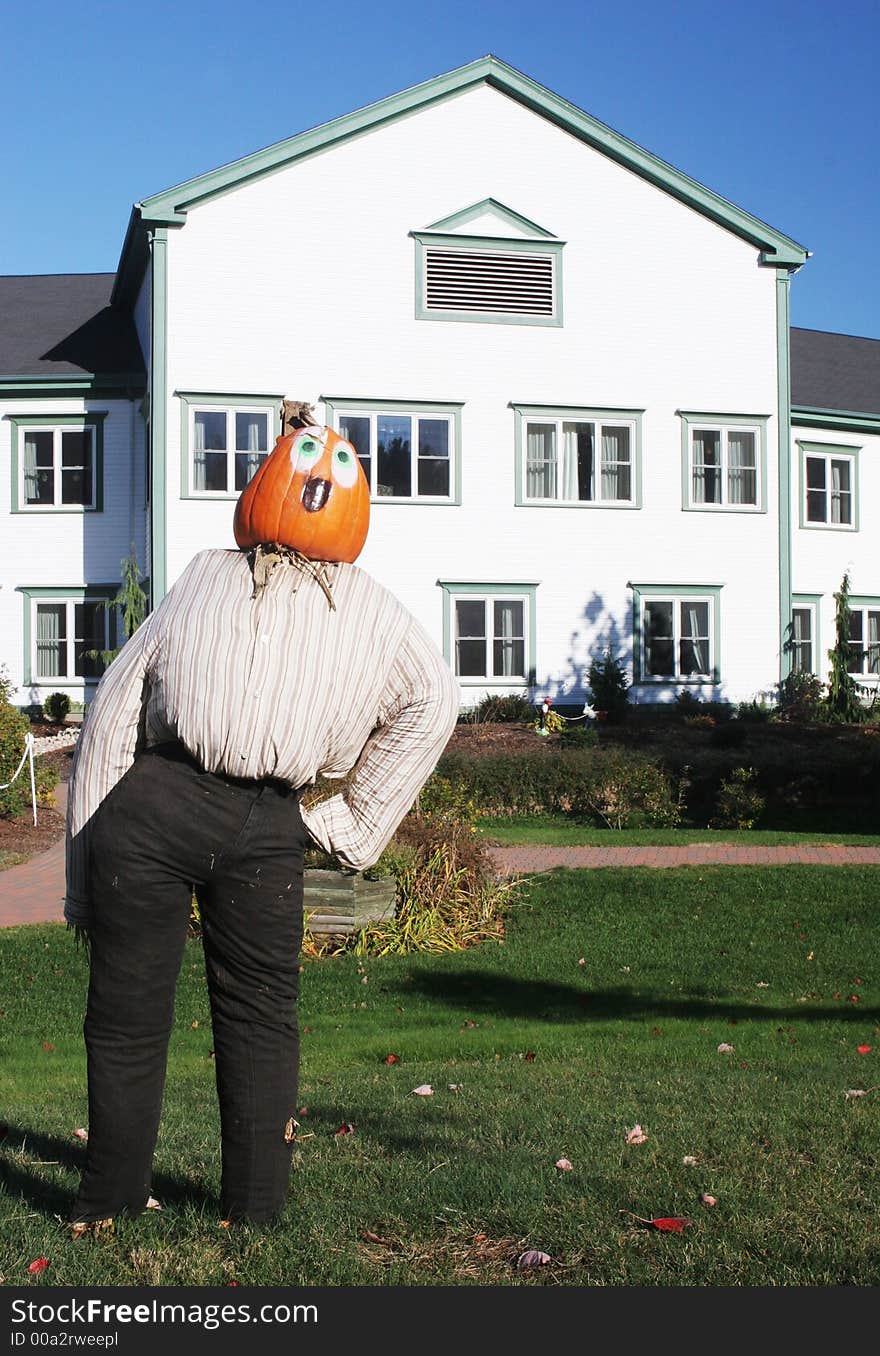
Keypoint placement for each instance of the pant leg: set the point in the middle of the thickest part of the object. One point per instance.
(252, 933)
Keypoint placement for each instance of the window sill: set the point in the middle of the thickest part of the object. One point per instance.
(677, 682)
(578, 503)
(491, 682)
(829, 527)
(75, 509)
(723, 508)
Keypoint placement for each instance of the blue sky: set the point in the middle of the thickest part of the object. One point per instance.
(774, 104)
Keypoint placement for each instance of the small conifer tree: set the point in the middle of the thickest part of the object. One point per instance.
(843, 691)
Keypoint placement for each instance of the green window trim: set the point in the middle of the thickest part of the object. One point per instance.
(865, 601)
(86, 593)
(576, 413)
(698, 419)
(814, 602)
(527, 590)
(190, 401)
(698, 592)
(487, 244)
(840, 452)
(335, 406)
(93, 419)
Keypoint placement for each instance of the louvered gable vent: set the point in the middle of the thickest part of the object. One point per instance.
(485, 281)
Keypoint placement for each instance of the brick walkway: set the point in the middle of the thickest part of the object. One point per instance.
(34, 891)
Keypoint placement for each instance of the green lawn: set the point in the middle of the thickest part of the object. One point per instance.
(554, 1059)
(559, 830)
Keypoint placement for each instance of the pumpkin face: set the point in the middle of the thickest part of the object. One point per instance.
(310, 494)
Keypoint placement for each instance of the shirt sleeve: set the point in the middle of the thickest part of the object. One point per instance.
(417, 712)
(105, 751)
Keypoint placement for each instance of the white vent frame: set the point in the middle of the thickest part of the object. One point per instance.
(504, 249)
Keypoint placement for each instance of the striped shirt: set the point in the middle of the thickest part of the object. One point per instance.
(278, 685)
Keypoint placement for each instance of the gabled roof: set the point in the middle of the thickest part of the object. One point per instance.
(834, 372)
(170, 206)
(60, 327)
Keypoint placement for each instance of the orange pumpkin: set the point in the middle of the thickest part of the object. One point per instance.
(310, 494)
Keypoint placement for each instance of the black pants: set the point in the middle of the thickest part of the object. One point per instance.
(165, 827)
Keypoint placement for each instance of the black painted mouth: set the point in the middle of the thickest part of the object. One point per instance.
(315, 494)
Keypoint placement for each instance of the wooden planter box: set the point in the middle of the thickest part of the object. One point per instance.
(342, 902)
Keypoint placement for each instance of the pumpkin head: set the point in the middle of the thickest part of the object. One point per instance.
(310, 494)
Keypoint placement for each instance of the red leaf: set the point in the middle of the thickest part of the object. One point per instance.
(391, 1059)
(529, 1057)
(346, 1128)
(47, 1045)
(666, 1224)
(40, 1264)
(864, 1049)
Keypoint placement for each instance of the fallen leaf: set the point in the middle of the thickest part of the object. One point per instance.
(455, 1087)
(636, 1135)
(364, 979)
(346, 1128)
(391, 1059)
(563, 1165)
(762, 984)
(864, 1049)
(582, 961)
(423, 1090)
(853, 998)
(81, 1133)
(47, 1045)
(226, 1224)
(38, 1265)
(667, 1224)
(855, 1092)
(529, 1057)
(153, 1204)
(857, 980)
(725, 1049)
(532, 1258)
(706, 1199)
(689, 1161)
(194, 1026)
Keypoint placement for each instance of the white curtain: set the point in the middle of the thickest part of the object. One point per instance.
(254, 443)
(741, 469)
(691, 616)
(51, 638)
(616, 464)
(200, 460)
(569, 461)
(509, 657)
(31, 484)
(874, 642)
(840, 492)
(541, 461)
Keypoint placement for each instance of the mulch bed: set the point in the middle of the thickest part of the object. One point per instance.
(20, 835)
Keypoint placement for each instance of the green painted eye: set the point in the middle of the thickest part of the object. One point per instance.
(345, 467)
(305, 452)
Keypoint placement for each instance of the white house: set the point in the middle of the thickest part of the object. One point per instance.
(566, 366)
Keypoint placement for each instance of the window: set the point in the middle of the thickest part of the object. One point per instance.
(676, 633)
(489, 632)
(724, 462)
(409, 452)
(63, 630)
(57, 462)
(829, 486)
(802, 643)
(225, 440)
(578, 457)
(864, 640)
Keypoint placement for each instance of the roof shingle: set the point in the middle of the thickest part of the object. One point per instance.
(835, 372)
(62, 325)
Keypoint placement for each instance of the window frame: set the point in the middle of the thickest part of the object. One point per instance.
(693, 421)
(560, 414)
(865, 603)
(829, 452)
(214, 402)
(486, 244)
(70, 597)
(676, 594)
(803, 602)
(490, 591)
(335, 407)
(57, 424)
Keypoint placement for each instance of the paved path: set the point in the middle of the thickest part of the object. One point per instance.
(34, 891)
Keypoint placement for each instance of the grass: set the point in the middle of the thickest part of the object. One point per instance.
(561, 830)
(448, 1189)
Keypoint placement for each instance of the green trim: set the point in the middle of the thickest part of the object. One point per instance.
(478, 209)
(585, 413)
(158, 566)
(219, 400)
(92, 593)
(869, 681)
(453, 589)
(123, 386)
(783, 461)
(848, 421)
(695, 418)
(695, 591)
(336, 405)
(842, 451)
(93, 419)
(488, 244)
(813, 600)
(488, 70)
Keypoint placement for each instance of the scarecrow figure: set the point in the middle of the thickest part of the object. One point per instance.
(260, 669)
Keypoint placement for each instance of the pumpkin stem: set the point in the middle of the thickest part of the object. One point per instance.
(296, 414)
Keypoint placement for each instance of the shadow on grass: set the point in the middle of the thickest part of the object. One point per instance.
(25, 1153)
(537, 1000)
